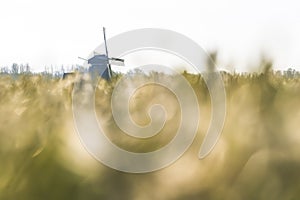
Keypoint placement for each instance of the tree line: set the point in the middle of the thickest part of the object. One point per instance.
(18, 69)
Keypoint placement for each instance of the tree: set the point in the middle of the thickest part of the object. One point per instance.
(27, 68)
(4, 70)
(22, 69)
(15, 68)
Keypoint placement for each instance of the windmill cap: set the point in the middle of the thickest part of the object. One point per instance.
(98, 59)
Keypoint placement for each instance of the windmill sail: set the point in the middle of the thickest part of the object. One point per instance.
(106, 51)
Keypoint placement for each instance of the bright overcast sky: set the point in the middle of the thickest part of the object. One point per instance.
(57, 31)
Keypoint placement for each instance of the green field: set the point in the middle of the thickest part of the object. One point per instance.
(257, 156)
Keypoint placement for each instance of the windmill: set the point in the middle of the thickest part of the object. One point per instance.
(101, 63)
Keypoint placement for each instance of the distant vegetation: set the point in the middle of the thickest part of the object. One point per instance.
(50, 71)
(257, 156)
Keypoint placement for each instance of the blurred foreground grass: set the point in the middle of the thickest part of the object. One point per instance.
(257, 156)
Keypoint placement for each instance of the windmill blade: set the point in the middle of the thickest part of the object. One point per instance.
(106, 51)
(117, 59)
(82, 58)
(116, 63)
(104, 35)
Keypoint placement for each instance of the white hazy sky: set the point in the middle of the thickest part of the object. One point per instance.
(57, 31)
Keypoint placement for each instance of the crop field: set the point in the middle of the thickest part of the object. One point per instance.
(256, 157)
